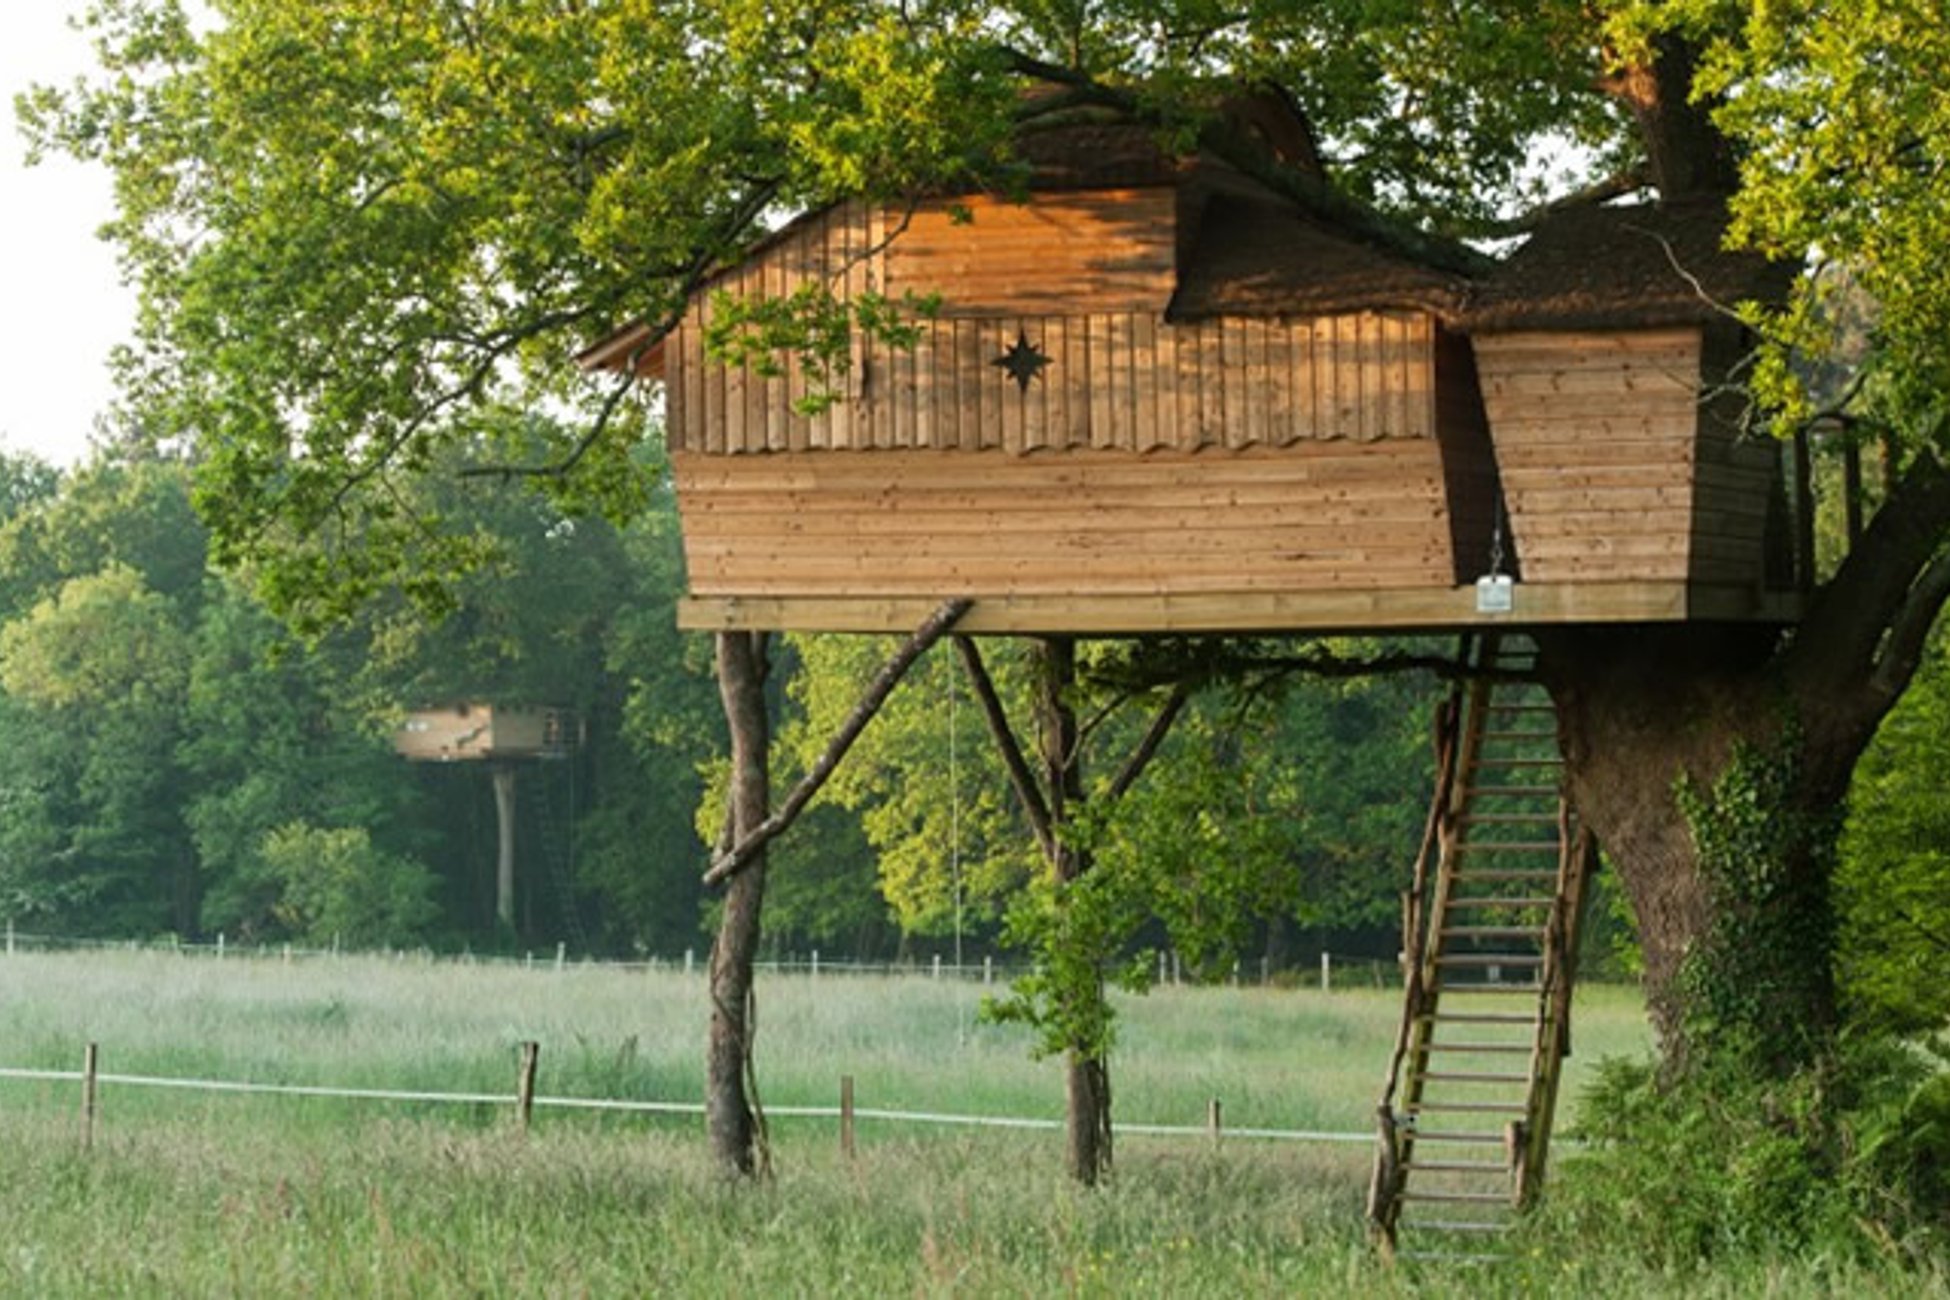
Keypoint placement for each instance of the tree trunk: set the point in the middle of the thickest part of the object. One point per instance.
(729, 1116)
(1087, 1081)
(1691, 757)
(504, 855)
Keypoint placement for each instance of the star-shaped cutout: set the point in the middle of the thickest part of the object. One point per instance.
(1022, 362)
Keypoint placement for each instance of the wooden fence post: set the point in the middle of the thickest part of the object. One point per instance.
(525, 1084)
(846, 1116)
(1326, 971)
(90, 1060)
(1213, 1122)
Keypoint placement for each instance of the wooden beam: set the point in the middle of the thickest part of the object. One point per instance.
(1388, 609)
(1034, 806)
(931, 630)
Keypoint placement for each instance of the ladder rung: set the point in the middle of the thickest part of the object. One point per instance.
(1480, 1018)
(1450, 1257)
(1463, 1198)
(1472, 1108)
(1522, 708)
(1507, 873)
(1455, 1225)
(1490, 900)
(1508, 819)
(1483, 1138)
(1493, 932)
(1491, 791)
(1508, 846)
(1471, 1076)
(1525, 1048)
(1458, 1166)
(1519, 735)
(1488, 988)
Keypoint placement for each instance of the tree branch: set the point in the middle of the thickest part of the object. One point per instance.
(933, 629)
(1148, 747)
(1843, 629)
(1034, 807)
(1909, 631)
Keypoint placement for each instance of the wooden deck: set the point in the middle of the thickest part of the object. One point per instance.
(1396, 609)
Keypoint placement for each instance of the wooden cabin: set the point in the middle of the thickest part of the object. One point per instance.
(476, 731)
(1609, 361)
(1159, 396)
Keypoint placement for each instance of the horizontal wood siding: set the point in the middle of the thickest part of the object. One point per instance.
(1311, 516)
(1596, 438)
(1094, 251)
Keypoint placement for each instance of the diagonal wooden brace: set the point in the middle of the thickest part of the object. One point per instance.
(732, 861)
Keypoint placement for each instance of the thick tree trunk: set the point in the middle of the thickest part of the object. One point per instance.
(729, 1116)
(1087, 1082)
(1692, 759)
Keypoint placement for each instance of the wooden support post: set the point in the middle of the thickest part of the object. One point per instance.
(1326, 971)
(90, 1063)
(1852, 493)
(504, 855)
(531, 1053)
(1804, 513)
(1214, 1122)
(846, 1116)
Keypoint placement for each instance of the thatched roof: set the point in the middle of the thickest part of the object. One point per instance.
(1263, 258)
(1623, 268)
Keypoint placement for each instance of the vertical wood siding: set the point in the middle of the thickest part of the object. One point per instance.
(1084, 280)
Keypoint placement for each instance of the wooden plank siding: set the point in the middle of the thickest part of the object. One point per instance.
(1085, 279)
(1608, 471)
(1125, 380)
(1317, 515)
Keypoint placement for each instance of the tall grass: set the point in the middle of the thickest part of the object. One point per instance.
(1276, 1058)
(185, 1195)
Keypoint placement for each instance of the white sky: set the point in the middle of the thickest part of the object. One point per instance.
(62, 306)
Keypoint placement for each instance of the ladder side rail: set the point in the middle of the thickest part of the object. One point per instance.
(1417, 936)
(1580, 862)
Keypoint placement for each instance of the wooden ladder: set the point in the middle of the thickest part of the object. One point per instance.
(1490, 941)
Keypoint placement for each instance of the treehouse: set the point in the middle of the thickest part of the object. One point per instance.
(1160, 395)
(1177, 394)
(502, 737)
(479, 731)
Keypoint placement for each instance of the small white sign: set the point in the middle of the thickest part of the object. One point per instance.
(1495, 594)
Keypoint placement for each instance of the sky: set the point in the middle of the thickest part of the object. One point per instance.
(62, 306)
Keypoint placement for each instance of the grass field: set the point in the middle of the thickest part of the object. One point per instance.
(189, 1194)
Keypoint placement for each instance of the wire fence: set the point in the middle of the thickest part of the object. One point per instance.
(1325, 970)
(524, 1100)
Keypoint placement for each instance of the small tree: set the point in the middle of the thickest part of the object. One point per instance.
(338, 886)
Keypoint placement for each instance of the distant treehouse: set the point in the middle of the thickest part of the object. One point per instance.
(1161, 396)
(501, 738)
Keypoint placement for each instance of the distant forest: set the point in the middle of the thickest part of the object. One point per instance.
(173, 761)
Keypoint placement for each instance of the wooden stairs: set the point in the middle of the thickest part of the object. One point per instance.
(1490, 942)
